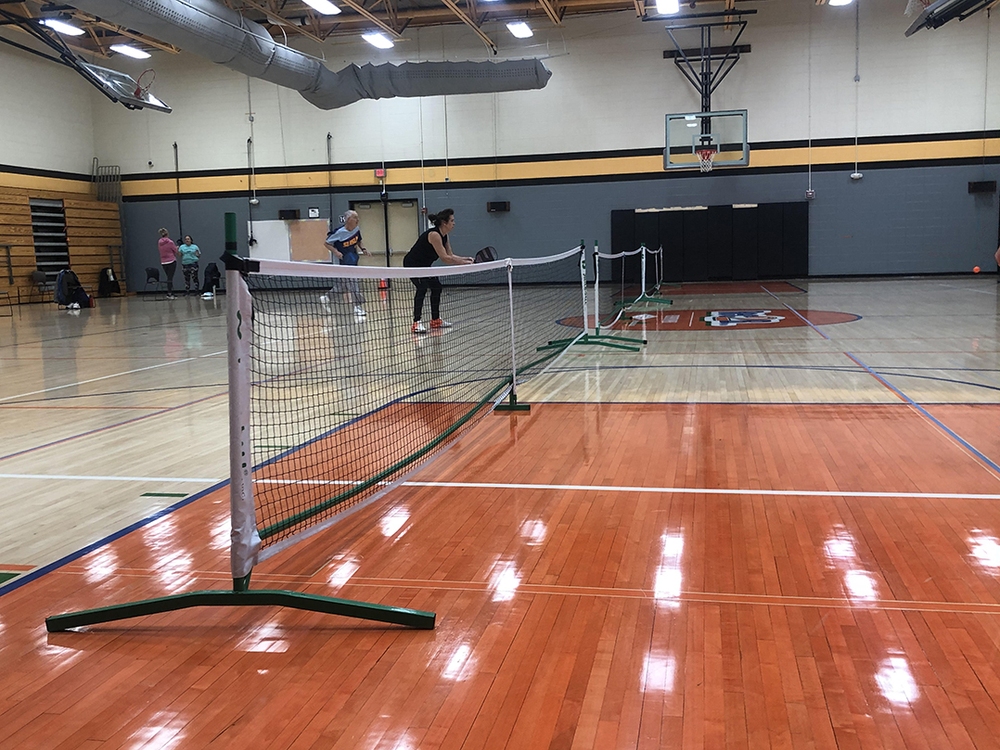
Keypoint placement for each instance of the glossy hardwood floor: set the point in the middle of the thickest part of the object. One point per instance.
(751, 537)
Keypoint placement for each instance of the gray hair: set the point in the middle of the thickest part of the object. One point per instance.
(351, 213)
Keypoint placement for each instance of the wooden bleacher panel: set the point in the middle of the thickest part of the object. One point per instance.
(93, 233)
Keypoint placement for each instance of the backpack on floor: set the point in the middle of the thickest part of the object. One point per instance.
(66, 284)
(212, 278)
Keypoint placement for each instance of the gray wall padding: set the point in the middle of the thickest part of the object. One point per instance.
(920, 220)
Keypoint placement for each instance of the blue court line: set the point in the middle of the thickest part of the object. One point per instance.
(98, 430)
(927, 415)
(799, 315)
(934, 420)
(104, 394)
(37, 573)
(116, 330)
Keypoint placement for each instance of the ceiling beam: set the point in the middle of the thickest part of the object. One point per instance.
(552, 11)
(121, 31)
(280, 21)
(358, 8)
(471, 24)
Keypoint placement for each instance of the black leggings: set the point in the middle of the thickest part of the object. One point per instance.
(168, 271)
(423, 284)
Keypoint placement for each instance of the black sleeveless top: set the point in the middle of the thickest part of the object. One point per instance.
(423, 254)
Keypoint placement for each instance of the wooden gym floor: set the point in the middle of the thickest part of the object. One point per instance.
(752, 536)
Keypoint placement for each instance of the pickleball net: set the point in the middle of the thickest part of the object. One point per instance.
(338, 397)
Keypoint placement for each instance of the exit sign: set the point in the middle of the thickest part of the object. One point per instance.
(380, 173)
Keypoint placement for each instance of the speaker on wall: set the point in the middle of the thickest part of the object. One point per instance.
(495, 207)
(288, 213)
(986, 186)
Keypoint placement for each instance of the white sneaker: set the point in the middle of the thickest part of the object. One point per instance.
(324, 300)
(73, 306)
(418, 327)
(171, 296)
(207, 295)
(438, 323)
(360, 311)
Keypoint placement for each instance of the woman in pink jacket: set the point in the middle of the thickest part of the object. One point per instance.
(168, 259)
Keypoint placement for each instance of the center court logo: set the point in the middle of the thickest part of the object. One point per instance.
(718, 320)
(733, 318)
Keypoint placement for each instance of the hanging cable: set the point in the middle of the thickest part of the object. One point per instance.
(423, 184)
(986, 82)
(857, 85)
(177, 183)
(809, 117)
(329, 174)
(251, 166)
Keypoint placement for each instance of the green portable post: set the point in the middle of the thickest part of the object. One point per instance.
(231, 233)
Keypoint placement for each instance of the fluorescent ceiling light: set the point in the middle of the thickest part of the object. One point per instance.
(377, 39)
(667, 7)
(325, 7)
(519, 29)
(124, 49)
(62, 27)
(841, 2)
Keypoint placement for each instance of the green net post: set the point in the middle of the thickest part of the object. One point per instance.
(231, 233)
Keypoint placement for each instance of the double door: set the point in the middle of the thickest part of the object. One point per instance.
(388, 229)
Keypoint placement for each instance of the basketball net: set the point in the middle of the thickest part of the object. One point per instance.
(141, 89)
(705, 157)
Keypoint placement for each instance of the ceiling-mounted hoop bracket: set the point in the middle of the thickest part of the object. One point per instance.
(713, 63)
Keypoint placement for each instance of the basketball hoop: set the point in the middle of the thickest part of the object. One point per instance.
(705, 157)
(143, 83)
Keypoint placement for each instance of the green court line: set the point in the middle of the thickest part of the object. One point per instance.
(4, 577)
(304, 515)
(164, 494)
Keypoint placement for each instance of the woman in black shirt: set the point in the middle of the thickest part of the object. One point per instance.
(432, 245)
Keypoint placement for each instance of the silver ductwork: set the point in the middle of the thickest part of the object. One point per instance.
(211, 30)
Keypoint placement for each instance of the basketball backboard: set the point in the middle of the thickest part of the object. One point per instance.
(723, 132)
(121, 87)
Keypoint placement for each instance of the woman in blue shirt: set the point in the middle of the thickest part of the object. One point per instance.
(189, 253)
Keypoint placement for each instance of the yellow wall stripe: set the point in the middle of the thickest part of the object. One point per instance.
(543, 169)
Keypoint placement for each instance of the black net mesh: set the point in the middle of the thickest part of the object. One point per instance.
(345, 396)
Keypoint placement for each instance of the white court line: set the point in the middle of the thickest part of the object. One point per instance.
(556, 487)
(113, 375)
(702, 490)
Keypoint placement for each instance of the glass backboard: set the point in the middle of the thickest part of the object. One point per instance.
(725, 133)
(122, 87)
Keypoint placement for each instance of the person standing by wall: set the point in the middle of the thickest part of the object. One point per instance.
(168, 259)
(189, 254)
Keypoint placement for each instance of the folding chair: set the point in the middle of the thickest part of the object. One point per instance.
(152, 279)
(40, 286)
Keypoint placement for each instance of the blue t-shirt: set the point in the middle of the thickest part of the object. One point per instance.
(347, 243)
(189, 254)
